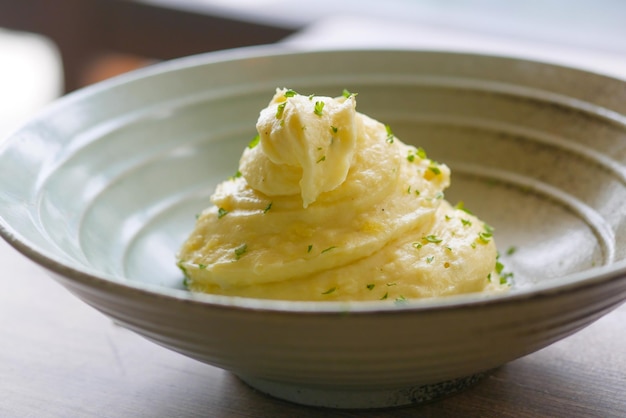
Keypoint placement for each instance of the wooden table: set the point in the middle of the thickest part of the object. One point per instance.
(61, 358)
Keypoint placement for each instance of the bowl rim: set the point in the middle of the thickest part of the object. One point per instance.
(571, 283)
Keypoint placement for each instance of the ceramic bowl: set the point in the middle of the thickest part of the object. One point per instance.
(103, 186)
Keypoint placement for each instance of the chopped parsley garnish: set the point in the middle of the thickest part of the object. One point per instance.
(240, 251)
(370, 286)
(488, 228)
(322, 158)
(268, 207)
(334, 129)
(506, 278)
(417, 245)
(439, 195)
(202, 266)
(311, 96)
(392, 284)
(499, 267)
(434, 169)
(390, 134)
(348, 94)
(221, 212)
(309, 248)
(432, 238)
(421, 153)
(461, 206)
(319, 106)
(328, 249)
(485, 237)
(385, 296)
(430, 259)
(466, 222)
(254, 142)
(290, 93)
(410, 157)
(235, 176)
(329, 291)
(280, 110)
(511, 250)
(182, 268)
(400, 299)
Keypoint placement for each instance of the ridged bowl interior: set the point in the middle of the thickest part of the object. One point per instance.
(103, 187)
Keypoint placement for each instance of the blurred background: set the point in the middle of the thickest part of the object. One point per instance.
(49, 48)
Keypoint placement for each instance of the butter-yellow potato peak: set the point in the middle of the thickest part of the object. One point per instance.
(329, 205)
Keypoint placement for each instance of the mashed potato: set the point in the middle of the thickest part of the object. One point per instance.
(329, 205)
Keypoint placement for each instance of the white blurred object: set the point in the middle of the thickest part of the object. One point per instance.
(370, 33)
(30, 76)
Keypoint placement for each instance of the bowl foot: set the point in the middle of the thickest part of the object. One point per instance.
(361, 398)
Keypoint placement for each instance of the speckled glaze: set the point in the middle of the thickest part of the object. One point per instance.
(102, 188)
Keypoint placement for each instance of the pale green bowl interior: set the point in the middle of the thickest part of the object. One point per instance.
(108, 180)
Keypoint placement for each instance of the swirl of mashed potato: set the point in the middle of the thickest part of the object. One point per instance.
(329, 205)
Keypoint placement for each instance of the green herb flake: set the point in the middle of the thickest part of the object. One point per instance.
(390, 134)
(432, 238)
(309, 248)
(240, 251)
(329, 291)
(385, 296)
(511, 250)
(334, 129)
(198, 216)
(421, 153)
(461, 206)
(235, 176)
(488, 228)
(267, 208)
(410, 158)
(400, 299)
(439, 195)
(290, 93)
(322, 158)
(183, 269)
(466, 222)
(434, 169)
(280, 109)
(254, 142)
(328, 249)
(506, 278)
(484, 237)
(221, 212)
(499, 267)
(430, 259)
(347, 94)
(319, 107)
(370, 286)
(202, 266)
(417, 245)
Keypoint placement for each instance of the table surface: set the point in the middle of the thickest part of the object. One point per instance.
(61, 358)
